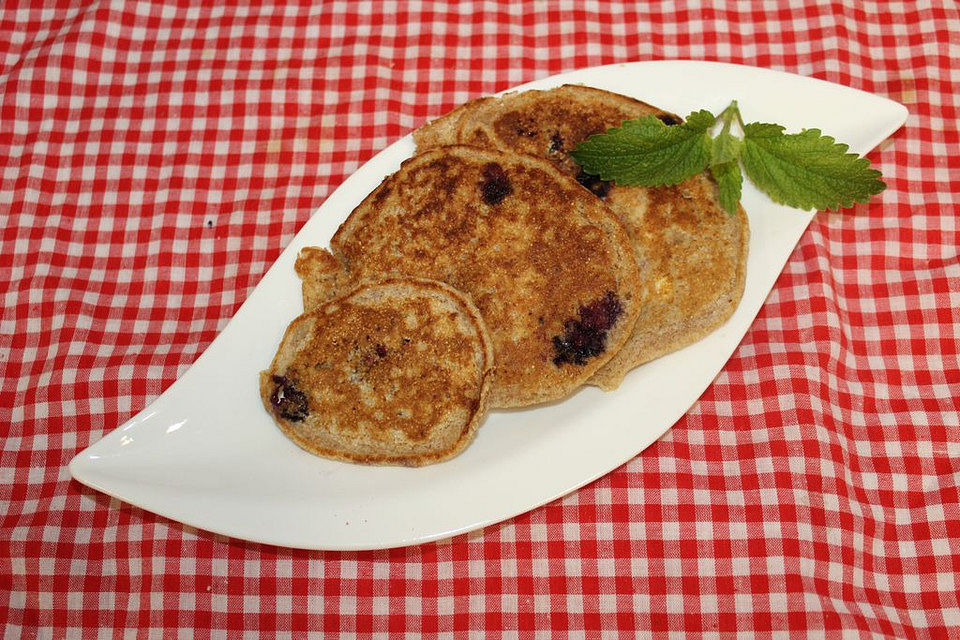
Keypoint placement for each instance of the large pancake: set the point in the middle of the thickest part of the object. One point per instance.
(692, 254)
(395, 371)
(548, 265)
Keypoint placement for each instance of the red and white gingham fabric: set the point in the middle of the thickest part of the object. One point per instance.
(155, 159)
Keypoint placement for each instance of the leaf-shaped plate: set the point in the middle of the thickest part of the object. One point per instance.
(207, 454)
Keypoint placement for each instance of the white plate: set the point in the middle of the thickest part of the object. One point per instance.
(207, 454)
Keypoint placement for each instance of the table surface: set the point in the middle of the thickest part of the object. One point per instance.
(155, 159)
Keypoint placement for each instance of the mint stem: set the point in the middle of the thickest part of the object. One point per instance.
(728, 114)
(727, 121)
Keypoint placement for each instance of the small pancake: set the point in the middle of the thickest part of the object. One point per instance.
(397, 371)
(691, 253)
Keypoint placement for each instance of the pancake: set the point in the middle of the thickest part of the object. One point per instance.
(548, 265)
(396, 371)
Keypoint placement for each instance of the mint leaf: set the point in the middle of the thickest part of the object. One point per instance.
(646, 151)
(729, 183)
(807, 169)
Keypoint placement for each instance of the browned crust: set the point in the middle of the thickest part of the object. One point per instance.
(528, 266)
(299, 331)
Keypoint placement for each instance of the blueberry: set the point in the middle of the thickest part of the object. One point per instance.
(586, 337)
(495, 186)
(288, 401)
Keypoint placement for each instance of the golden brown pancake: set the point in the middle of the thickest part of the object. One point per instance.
(548, 265)
(397, 371)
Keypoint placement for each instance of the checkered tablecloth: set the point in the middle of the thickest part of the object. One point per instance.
(156, 157)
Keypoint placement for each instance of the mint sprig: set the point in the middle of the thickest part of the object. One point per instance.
(807, 170)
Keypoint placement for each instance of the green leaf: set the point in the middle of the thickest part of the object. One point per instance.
(807, 169)
(729, 181)
(725, 148)
(648, 152)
